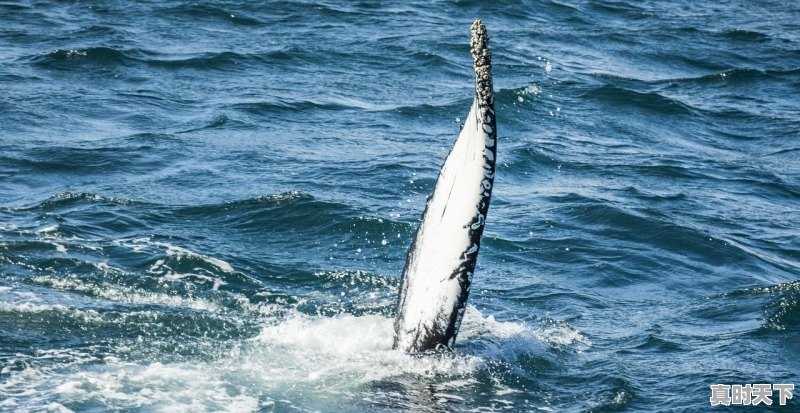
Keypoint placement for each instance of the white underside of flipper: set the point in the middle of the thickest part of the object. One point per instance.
(435, 271)
(438, 272)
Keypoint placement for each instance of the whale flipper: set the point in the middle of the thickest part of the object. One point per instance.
(441, 260)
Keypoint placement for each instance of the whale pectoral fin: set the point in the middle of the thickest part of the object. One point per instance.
(441, 260)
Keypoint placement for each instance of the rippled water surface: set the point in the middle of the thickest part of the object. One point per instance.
(206, 207)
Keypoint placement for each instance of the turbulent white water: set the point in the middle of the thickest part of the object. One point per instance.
(295, 360)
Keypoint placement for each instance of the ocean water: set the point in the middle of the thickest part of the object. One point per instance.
(206, 207)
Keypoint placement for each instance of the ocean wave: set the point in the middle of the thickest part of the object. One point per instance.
(66, 198)
(743, 75)
(122, 319)
(85, 159)
(216, 122)
(314, 104)
(98, 56)
(198, 61)
(278, 105)
(527, 159)
(93, 31)
(111, 228)
(108, 57)
(296, 210)
(259, 202)
(619, 97)
(758, 310)
(626, 9)
(743, 35)
(14, 7)
(671, 238)
(131, 295)
(783, 311)
(723, 78)
(210, 13)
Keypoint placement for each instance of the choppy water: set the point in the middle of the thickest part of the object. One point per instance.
(206, 207)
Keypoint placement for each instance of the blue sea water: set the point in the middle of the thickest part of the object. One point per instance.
(207, 206)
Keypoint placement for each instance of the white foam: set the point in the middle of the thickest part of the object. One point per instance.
(164, 266)
(178, 253)
(565, 336)
(58, 408)
(123, 385)
(506, 340)
(32, 307)
(103, 266)
(326, 349)
(295, 360)
(46, 230)
(70, 387)
(292, 360)
(128, 294)
(156, 266)
(183, 252)
(476, 324)
(27, 302)
(9, 402)
(215, 281)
